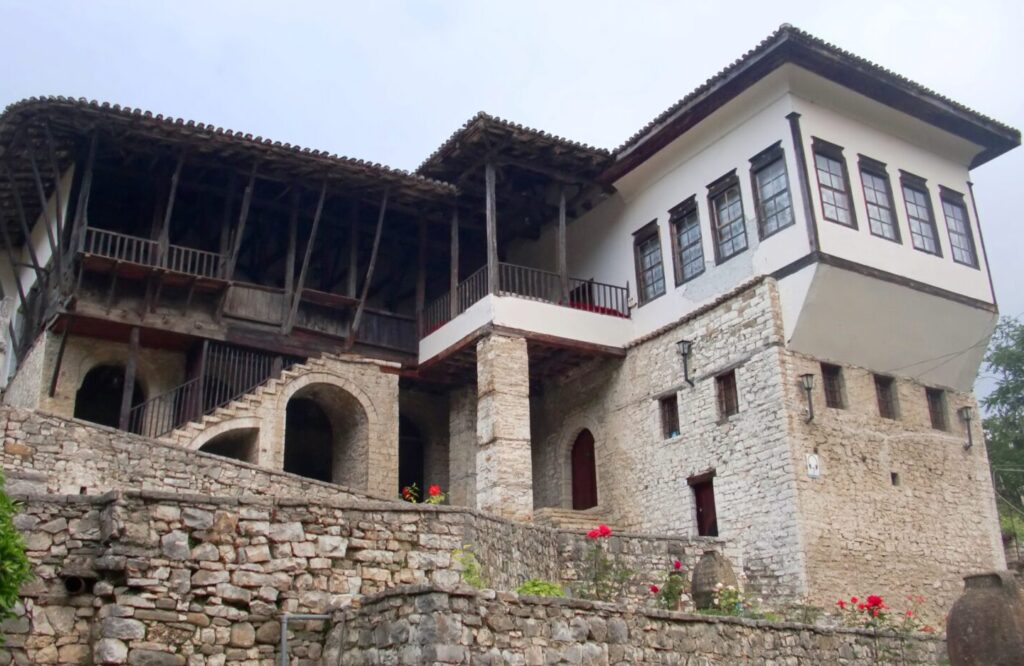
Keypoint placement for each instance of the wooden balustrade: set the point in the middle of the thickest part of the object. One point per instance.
(145, 251)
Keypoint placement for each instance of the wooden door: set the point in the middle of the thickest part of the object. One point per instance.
(707, 519)
(584, 472)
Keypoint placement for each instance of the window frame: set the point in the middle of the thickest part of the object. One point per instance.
(909, 181)
(640, 236)
(833, 152)
(668, 408)
(954, 198)
(677, 215)
(758, 163)
(878, 170)
(838, 391)
(938, 410)
(718, 188)
(888, 408)
(727, 394)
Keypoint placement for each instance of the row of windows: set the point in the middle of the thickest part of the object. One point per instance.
(774, 204)
(726, 395)
(836, 205)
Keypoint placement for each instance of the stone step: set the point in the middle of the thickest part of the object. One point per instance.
(569, 519)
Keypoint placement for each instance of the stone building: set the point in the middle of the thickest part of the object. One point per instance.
(757, 321)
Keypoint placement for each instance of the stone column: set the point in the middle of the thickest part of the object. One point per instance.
(504, 473)
(462, 447)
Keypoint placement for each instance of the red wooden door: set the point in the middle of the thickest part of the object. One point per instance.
(584, 472)
(707, 520)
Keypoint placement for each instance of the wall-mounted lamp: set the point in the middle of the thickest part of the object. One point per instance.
(967, 415)
(685, 347)
(807, 381)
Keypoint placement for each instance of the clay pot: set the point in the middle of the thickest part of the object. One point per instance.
(712, 568)
(986, 625)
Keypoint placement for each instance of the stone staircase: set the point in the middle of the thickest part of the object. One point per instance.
(570, 519)
(247, 404)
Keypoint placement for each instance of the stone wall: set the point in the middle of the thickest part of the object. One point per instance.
(427, 625)
(174, 578)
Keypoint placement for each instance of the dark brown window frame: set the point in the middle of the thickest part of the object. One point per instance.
(716, 189)
(833, 152)
(668, 408)
(954, 198)
(835, 395)
(677, 214)
(726, 384)
(909, 181)
(764, 159)
(879, 170)
(888, 404)
(641, 235)
(937, 408)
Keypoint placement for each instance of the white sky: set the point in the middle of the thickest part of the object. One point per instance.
(389, 81)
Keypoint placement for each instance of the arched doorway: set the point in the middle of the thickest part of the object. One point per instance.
(240, 444)
(99, 397)
(327, 436)
(584, 472)
(411, 455)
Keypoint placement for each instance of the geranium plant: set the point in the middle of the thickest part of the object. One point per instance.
(411, 494)
(603, 577)
(873, 613)
(669, 594)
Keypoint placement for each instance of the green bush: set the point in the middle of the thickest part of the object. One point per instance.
(540, 588)
(14, 565)
(472, 572)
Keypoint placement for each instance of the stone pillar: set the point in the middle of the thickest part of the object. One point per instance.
(462, 447)
(504, 473)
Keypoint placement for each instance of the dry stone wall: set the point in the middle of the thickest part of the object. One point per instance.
(427, 625)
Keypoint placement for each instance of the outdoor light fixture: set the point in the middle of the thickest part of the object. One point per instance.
(807, 381)
(685, 347)
(966, 415)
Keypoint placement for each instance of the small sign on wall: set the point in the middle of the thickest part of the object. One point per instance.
(813, 466)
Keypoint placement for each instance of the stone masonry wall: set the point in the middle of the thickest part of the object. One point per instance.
(196, 579)
(427, 625)
(642, 476)
(900, 508)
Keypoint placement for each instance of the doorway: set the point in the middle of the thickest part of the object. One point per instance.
(584, 472)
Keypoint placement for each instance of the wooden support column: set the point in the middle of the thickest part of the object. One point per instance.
(357, 318)
(289, 261)
(25, 229)
(421, 274)
(243, 216)
(225, 224)
(41, 191)
(165, 227)
(493, 283)
(129, 378)
(289, 321)
(15, 265)
(58, 208)
(81, 221)
(453, 277)
(353, 251)
(563, 264)
(60, 354)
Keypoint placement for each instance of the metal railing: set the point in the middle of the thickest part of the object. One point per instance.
(228, 374)
(146, 251)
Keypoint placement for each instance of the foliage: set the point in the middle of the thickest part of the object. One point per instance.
(541, 588)
(411, 494)
(732, 601)
(603, 577)
(872, 612)
(14, 565)
(1004, 422)
(471, 570)
(668, 594)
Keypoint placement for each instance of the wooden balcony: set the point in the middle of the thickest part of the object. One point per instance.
(133, 256)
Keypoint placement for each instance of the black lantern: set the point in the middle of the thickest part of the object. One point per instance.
(685, 347)
(807, 381)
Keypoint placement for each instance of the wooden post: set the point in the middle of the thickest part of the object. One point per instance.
(41, 191)
(289, 321)
(60, 354)
(81, 221)
(25, 230)
(563, 266)
(225, 226)
(421, 274)
(353, 251)
(165, 228)
(453, 277)
(15, 266)
(357, 318)
(243, 216)
(493, 284)
(289, 261)
(59, 208)
(129, 378)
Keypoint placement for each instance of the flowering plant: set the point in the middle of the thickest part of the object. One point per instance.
(669, 594)
(602, 576)
(730, 600)
(872, 612)
(411, 494)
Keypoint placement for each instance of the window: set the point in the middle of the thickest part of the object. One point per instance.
(878, 198)
(961, 240)
(650, 277)
(703, 487)
(833, 184)
(937, 408)
(687, 248)
(669, 416)
(728, 398)
(885, 391)
(832, 379)
(729, 224)
(923, 235)
(771, 191)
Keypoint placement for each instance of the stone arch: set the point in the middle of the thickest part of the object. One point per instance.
(241, 434)
(99, 393)
(566, 439)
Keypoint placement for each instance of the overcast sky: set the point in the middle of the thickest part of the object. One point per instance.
(389, 81)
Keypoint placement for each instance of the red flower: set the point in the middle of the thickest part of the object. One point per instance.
(910, 613)
(841, 604)
(654, 589)
(434, 490)
(874, 612)
(407, 493)
(853, 600)
(677, 565)
(875, 601)
(594, 533)
(604, 530)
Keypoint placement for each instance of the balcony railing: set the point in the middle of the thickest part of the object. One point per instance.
(533, 284)
(146, 252)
